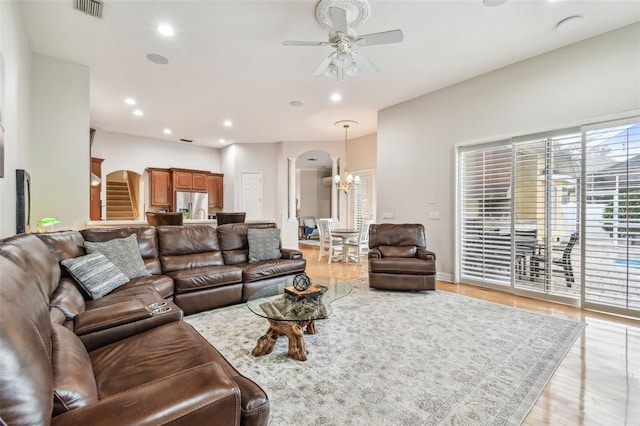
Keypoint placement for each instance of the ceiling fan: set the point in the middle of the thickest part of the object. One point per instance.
(346, 59)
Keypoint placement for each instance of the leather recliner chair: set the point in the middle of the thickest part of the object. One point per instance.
(398, 258)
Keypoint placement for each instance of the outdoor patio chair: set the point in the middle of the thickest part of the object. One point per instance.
(564, 261)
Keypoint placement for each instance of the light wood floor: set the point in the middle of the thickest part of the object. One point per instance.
(597, 383)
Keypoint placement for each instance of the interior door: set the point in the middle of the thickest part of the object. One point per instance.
(251, 194)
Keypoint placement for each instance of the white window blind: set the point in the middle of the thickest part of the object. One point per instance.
(546, 205)
(612, 224)
(485, 178)
(362, 200)
(555, 215)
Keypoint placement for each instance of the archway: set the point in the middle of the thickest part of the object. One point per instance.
(123, 195)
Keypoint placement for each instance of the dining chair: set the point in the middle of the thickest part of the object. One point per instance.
(564, 261)
(330, 245)
(161, 218)
(360, 244)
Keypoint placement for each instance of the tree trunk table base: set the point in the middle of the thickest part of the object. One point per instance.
(294, 330)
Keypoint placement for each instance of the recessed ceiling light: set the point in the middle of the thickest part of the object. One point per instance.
(569, 24)
(222, 141)
(167, 131)
(129, 101)
(227, 123)
(138, 113)
(165, 30)
(295, 103)
(335, 97)
(157, 59)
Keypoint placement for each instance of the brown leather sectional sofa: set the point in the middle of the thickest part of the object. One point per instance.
(116, 360)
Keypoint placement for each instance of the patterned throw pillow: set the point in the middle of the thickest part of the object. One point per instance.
(124, 253)
(264, 244)
(95, 273)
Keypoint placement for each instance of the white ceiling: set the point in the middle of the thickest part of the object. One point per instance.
(227, 60)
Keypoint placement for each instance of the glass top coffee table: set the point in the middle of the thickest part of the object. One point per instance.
(292, 313)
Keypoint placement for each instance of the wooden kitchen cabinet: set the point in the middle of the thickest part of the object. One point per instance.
(199, 181)
(215, 188)
(164, 183)
(189, 180)
(160, 189)
(95, 204)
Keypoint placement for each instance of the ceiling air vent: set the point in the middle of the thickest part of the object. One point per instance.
(186, 140)
(90, 7)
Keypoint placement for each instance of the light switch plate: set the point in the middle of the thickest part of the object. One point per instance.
(434, 215)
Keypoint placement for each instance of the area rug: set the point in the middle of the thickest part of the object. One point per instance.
(395, 358)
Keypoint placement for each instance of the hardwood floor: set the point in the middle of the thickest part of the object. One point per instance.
(597, 383)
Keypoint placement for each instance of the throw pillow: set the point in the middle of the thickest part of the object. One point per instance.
(124, 253)
(264, 244)
(95, 273)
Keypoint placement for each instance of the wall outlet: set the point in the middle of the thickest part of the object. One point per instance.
(434, 215)
(387, 215)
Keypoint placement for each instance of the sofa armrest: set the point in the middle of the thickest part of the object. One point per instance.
(290, 253)
(425, 254)
(374, 253)
(210, 394)
(110, 316)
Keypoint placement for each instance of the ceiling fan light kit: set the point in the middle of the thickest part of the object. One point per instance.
(341, 17)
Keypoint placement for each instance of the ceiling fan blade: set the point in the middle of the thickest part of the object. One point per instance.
(305, 43)
(386, 37)
(363, 63)
(323, 65)
(339, 19)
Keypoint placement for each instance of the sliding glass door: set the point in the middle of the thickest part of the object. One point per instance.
(612, 217)
(555, 216)
(547, 211)
(485, 181)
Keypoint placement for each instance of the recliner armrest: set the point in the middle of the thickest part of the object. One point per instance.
(211, 394)
(425, 254)
(290, 253)
(374, 253)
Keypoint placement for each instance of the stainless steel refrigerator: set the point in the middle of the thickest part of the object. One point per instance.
(196, 204)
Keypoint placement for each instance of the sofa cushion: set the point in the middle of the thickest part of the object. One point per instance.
(73, 383)
(398, 251)
(147, 242)
(402, 265)
(26, 380)
(200, 278)
(233, 241)
(124, 253)
(257, 271)
(264, 244)
(160, 352)
(95, 273)
(160, 283)
(67, 299)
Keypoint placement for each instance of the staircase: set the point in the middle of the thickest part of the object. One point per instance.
(118, 201)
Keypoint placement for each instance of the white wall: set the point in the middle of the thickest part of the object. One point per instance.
(256, 157)
(577, 84)
(314, 197)
(361, 153)
(136, 153)
(16, 110)
(60, 133)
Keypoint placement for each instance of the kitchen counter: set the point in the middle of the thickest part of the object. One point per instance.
(116, 223)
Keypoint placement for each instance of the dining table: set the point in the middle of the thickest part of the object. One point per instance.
(345, 234)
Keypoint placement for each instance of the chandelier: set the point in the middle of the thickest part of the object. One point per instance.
(349, 182)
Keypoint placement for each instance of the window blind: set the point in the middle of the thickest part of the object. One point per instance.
(612, 223)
